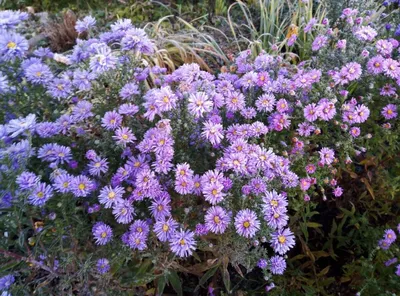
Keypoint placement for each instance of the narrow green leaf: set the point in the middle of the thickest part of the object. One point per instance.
(208, 275)
(161, 282)
(175, 282)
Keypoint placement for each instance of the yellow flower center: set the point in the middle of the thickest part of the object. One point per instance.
(81, 186)
(137, 164)
(38, 74)
(389, 112)
(65, 184)
(214, 192)
(160, 208)
(276, 215)
(139, 229)
(165, 227)
(161, 142)
(197, 184)
(166, 99)
(112, 121)
(137, 241)
(125, 137)
(182, 242)
(97, 164)
(234, 100)
(103, 234)
(246, 224)
(111, 195)
(11, 45)
(217, 219)
(281, 239)
(274, 203)
(40, 194)
(124, 211)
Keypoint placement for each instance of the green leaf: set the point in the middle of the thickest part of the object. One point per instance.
(313, 224)
(226, 278)
(161, 282)
(208, 275)
(175, 282)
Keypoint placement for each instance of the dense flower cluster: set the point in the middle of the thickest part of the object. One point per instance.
(170, 159)
(389, 239)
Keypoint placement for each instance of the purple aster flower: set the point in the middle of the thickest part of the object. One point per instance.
(262, 263)
(165, 228)
(235, 101)
(128, 109)
(6, 282)
(4, 84)
(82, 186)
(62, 183)
(47, 129)
(361, 113)
(276, 219)
(160, 206)
(124, 136)
(123, 211)
(199, 103)
(59, 88)
(109, 196)
(390, 235)
(85, 25)
(39, 74)
(355, 131)
(102, 233)
(365, 33)
(12, 46)
(9, 19)
(182, 243)
(326, 155)
(40, 195)
(103, 60)
(43, 52)
(277, 265)
(217, 220)
(375, 65)
(282, 240)
(129, 90)
(61, 154)
(390, 262)
(82, 110)
(18, 126)
(272, 201)
(338, 191)
(213, 132)
(213, 192)
(136, 39)
(247, 223)
(389, 111)
(137, 241)
(82, 79)
(384, 244)
(140, 226)
(27, 180)
(391, 68)
(319, 42)
(311, 112)
(98, 166)
(352, 71)
(103, 265)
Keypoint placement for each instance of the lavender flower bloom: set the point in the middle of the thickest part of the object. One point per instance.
(182, 243)
(17, 126)
(4, 84)
(9, 19)
(398, 270)
(165, 228)
(277, 265)
(140, 226)
(319, 42)
(199, 103)
(123, 211)
(103, 265)
(282, 240)
(390, 236)
(12, 46)
(111, 120)
(326, 155)
(98, 166)
(389, 111)
(137, 241)
(129, 90)
(390, 262)
(160, 207)
(276, 219)
(82, 110)
(27, 180)
(82, 79)
(39, 74)
(60, 88)
(40, 195)
(247, 223)
(262, 263)
(136, 39)
(124, 136)
(62, 183)
(102, 61)
(213, 132)
(102, 233)
(217, 220)
(81, 186)
(47, 129)
(109, 196)
(86, 24)
(6, 281)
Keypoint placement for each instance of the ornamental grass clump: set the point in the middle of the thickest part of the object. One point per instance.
(125, 174)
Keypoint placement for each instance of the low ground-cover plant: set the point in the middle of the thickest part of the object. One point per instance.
(118, 176)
